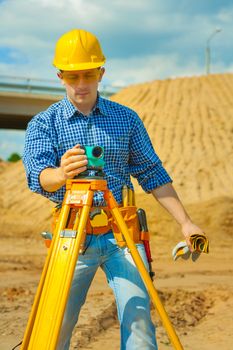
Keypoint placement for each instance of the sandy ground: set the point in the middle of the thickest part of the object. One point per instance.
(190, 123)
(197, 296)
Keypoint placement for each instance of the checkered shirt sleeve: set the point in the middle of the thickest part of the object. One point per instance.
(144, 164)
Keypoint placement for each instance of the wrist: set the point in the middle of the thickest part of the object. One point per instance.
(190, 228)
(61, 178)
(186, 222)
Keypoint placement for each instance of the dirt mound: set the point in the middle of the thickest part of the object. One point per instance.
(22, 212)
(4, 165)
(214, 216)
(190, 123)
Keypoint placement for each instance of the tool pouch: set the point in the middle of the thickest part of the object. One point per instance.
(130, 217)
(89, 227)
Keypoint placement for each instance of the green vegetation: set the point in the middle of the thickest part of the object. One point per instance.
(14, 157)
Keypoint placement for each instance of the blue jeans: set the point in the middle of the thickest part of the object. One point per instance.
(132, 299)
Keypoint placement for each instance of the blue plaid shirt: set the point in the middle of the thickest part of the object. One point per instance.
(118, 129)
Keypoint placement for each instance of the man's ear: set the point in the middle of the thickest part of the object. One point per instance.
(102, 71)
(59, 74)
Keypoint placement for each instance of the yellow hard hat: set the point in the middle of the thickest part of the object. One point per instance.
(78, 50)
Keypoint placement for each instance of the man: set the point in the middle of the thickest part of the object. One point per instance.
(53, 154)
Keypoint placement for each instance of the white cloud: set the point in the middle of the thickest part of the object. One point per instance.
(131, 33)
(149, 68)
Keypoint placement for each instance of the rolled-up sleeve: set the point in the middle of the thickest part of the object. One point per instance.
(38, 154)
(144, 163)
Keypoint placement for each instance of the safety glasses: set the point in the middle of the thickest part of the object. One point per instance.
(88, 76)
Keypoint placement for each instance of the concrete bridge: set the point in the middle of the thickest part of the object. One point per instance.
(21, 99)
(16, 109)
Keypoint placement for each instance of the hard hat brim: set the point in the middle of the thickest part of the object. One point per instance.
(78, 66)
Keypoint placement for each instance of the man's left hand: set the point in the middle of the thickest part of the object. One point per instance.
(189, 229)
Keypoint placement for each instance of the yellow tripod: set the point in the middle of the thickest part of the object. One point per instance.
(47, 313)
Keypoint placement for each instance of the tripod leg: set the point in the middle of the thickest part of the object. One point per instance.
(29, 328)
(144, 274)
(44, 332)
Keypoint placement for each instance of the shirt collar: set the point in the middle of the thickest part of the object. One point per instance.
(99, 108)
(69, 108)
(102, 104)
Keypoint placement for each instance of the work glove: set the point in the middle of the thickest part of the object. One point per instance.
(200, 244)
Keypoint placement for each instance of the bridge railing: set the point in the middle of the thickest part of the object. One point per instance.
(43, 86)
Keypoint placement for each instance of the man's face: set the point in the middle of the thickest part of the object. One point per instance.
(81, 86)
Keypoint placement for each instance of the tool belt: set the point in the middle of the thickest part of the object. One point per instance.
(130, 217)
(89, 228)
(128, 213)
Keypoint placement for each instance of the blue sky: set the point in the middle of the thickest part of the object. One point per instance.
(11, 141)
(143, 40)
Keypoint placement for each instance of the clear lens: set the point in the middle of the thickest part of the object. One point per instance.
(97, 152)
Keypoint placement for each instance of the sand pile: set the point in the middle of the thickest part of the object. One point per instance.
(190, 122)
(22, 212)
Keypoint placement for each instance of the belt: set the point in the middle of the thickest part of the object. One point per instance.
(129, 214)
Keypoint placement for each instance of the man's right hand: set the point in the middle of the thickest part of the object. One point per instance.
(73, 162)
